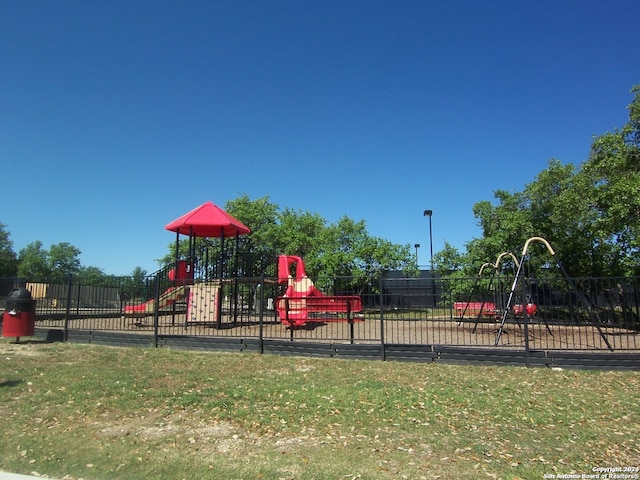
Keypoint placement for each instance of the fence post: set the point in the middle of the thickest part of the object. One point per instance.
(286, 308)
(79, 292)
(156, 311)
(383, 352)
(351, 322)
(261, 317)
(525, 317)
(67, 312)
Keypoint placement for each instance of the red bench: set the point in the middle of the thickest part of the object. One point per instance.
(486, 309)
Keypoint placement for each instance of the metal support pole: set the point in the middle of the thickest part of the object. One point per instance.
(156, 311)
(261, 316)
(525, 318)
(350, 320)
(67, 308)
(383, 353)
(429, 213)
(221, 278)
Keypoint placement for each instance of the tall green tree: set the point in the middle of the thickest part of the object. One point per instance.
(450, 261)
(53, 265)
(299, 233)
(90, 276)
(8, 258)
(139, 273)
(349, 250)
(33, 263)
(341, 249)
(590, 215)
(505, 225)
(613, 169)
(557, 206)
(261, 216)
(63, 259)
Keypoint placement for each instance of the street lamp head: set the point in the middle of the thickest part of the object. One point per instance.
(428, 213)
(417, 245)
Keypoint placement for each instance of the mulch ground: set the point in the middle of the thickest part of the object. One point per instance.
(399, 331)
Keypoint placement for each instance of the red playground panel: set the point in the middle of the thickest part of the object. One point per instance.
(182, 272)
(302, 298)
(487, 309)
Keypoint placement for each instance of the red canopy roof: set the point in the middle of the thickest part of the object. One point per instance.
(208, 220)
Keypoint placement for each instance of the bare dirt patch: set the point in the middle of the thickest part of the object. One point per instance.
(194, 433)
(24, 349)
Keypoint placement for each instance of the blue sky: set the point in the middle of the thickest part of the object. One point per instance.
(118, 117)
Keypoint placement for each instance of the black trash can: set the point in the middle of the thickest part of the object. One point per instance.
(19, 314)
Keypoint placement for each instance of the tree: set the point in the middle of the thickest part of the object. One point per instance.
(590, 215)
(329, 250)
(261, 216)
(32, 262)
(63, 261)
(8, 259)
(557, 206)
(90, 276)
(299, 233)
(351, 251)
(614, 170)
(505, 227)
(343, 249)
(136, 287)
(449, 261)
(139, 273)
(53, 265)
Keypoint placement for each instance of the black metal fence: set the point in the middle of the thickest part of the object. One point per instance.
(424, 314)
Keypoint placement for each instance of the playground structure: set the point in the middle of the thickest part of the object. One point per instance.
(168, 298)
(531, 309)
(487, 308)
(194, 300)
(199, 292)
(203, 296)
(206, 290)
(181, 277)
(302, 302)
(572, 314)
(519, 305)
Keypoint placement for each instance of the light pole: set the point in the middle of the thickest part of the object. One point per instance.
(416, 246)
(429, 213)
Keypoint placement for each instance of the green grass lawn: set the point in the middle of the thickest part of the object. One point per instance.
(77, 411)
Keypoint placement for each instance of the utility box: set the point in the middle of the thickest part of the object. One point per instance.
(19, 314)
